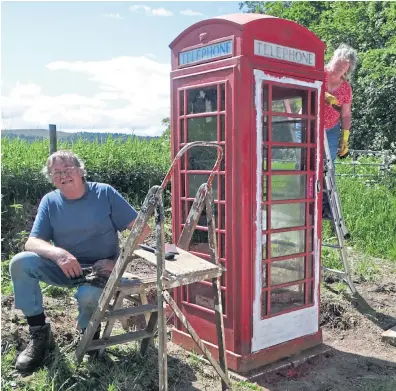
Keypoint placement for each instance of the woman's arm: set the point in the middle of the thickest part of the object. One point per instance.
(346, 116)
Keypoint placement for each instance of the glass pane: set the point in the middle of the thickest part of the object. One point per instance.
(223, 187)
(181, 102)
(289, 130)
(199, 242)
(312, 159)
(287, 243)
(222, 164)
(313, 132)
(310, 267)
(311, 213)
(196, 180)
(291, 159)
(265, 192)
(182, 131)
(289, 100)
(310, 292)
(265, 157)
(183, 185)
(265, 128)
(287, 215)
(288, 270)
(202, 295)
(222, 246)
(264, 217)
(264, 276)
(287, 298)
(222, 128)
(202, 129)
(264, 253)
(202, 100)
(310, 240)
(222, 101)
(288, 187)
(222, 215)
(265, 97)
(313, 103)
(201, 158)
(264, 304)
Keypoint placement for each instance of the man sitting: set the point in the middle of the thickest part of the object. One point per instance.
(82, 219)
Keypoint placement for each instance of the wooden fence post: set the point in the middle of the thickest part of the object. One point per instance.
(52, 138)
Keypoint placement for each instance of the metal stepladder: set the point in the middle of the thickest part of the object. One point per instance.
(184, 269)
(337, 222)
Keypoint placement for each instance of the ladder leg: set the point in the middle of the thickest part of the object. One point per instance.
(216, 288)
(162, 334)
(118, 301)
(151, 325)
(338, 221)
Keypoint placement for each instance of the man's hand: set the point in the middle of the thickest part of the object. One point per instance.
(69, 265)
(343, 152)
(331, 99)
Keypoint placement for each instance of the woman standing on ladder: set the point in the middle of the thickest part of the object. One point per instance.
(337, 111)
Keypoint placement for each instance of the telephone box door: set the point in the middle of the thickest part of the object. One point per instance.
(203, 114)
(287, 248)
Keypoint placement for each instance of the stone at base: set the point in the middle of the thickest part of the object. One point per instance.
(389, 336)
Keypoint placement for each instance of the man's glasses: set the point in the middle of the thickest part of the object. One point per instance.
(67, 171)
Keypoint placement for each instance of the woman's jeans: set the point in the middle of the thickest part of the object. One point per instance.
(333, 137)
(27, 269)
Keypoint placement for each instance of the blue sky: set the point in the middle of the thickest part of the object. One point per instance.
(92, 66)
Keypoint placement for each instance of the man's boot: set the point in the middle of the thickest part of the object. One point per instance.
(41, 340)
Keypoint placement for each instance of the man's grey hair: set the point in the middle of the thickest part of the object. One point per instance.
(64, 156)
(345, 52)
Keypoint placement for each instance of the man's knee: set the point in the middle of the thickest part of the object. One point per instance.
(88, 295)
(21, 263)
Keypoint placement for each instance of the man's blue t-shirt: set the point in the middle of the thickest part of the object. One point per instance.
(86, 227)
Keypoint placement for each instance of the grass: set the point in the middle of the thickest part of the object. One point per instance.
(125, 370)
(132, 167)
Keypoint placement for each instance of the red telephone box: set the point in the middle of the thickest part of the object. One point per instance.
(254, 84)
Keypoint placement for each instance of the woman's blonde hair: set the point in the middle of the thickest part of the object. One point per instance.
(345, 52)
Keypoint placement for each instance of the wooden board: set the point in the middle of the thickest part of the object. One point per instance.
(183, 264)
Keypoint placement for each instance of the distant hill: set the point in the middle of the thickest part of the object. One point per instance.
(35, 134)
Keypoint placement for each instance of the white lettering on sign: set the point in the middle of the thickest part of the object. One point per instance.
(279, 52)
(208, 52)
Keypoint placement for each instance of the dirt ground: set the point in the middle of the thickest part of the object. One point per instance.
(352, 328)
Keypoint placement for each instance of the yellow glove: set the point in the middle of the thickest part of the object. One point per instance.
(343, 151)
(330, 99)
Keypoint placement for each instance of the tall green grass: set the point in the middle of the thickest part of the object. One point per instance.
(132, 167)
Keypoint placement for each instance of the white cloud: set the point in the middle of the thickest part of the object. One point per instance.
(190, 12)
(113, 16)
(151, 11)
(132, 94)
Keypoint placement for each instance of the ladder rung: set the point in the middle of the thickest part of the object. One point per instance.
(119, 339)
(131, 311)
(326, 269)
(331, 245)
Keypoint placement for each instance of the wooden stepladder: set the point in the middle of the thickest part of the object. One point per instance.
(185, 269)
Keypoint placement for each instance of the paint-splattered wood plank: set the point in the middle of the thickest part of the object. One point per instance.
(183, 263)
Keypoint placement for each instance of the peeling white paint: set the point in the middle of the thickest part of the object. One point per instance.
(282, 328)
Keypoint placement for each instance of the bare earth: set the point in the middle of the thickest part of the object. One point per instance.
(352, 328)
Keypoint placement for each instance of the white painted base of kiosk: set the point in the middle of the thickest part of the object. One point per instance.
(271, 332)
